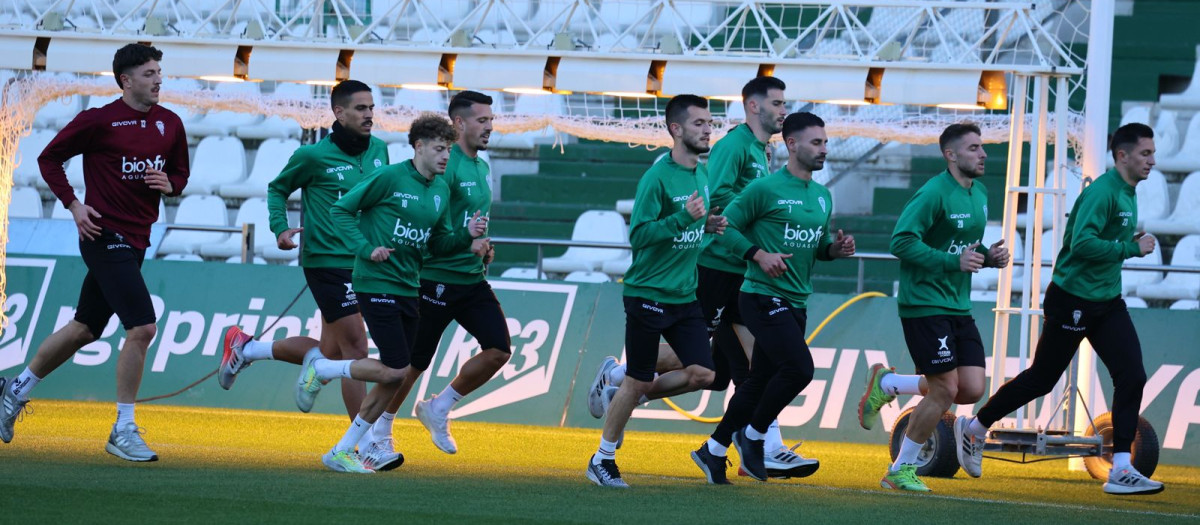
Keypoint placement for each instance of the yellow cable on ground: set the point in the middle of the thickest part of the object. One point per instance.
(814, 333)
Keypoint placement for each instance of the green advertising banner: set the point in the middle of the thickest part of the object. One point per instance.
(560, 333)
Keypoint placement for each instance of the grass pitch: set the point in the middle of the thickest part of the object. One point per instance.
(221, 466)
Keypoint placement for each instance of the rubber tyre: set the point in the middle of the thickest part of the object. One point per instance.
(938, 458)
(1143, 454)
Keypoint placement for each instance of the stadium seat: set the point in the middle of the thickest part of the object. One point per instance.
(1153, 198)
(275, 126)
(27, 172)
(595, 226)
(983, 296)
(1186, 217)
(625, 207)
(272, 156)
(1190, 98)
(183, 257)
(1139, 113)
(1186, 304)
(202, 210)
(237, 259)
(219, 161)
(1178, 285)
(182, 85)
(399, 152)
(1187, 159)
(1073, 182)
(225, 122)
(1166, 134)
(1049, 253)
(617, 267)
(1132, 279)
(57, 211)
(26, 203)
(523, 273)
(987, 278)
(587, 277)
(253, 211)
(57, 113)
(1135, 302)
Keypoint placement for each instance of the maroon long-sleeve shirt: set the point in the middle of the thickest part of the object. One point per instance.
(118, 143)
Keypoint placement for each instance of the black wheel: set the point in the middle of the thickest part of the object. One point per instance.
(937, 457)
(1143, 454)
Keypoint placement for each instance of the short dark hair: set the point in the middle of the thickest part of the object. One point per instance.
(797, 122)
(759, 86)
(954, 132)
(678, 106)
(431, 126)
(131, 56)
(463, 100)
(340, 94)
(1127, 136)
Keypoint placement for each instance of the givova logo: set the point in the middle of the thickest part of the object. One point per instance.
(27, 284)
(537, 334)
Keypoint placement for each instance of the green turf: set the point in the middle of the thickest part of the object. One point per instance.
(222, 466)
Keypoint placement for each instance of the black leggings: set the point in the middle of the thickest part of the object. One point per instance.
(1068, 319)
(780, 368)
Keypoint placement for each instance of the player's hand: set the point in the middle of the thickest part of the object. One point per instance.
(695, 206)
(157, 180)
(843, 246)
(285, 241)
(1146, 242)
(478, 225)
(481, 246)
(381, 254)
(998, 254)
(970, 261)
(83, 215)
(715, 223)
(774, 264)
(490, 255)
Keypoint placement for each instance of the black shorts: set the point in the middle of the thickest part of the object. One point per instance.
(941, 343)
(717, 292)
(392, 323)
(333, 291)
(113, 284)
(474, 306)
(682, 325)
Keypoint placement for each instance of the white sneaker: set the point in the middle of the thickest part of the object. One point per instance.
(126, 443)
(11, 409)
(1128, 481)
(595, 399)
(970, 448)
(438, 426)
(381, 455)
(232, 359)
(345, 461)
(784, 463)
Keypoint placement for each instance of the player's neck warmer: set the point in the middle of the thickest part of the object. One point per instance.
(348, 142)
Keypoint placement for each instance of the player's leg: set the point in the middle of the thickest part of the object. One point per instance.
(687, 336)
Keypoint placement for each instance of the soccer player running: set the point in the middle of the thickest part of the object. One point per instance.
(666, 229)
(937, 240)
(454, 287)
(134, 152)
(392, 221)
(780, 222)
(1084, 300)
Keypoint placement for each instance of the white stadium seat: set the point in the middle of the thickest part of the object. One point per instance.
(272, 156)
(27, 172)
(253, 211)
(1187, 159)
(1186, 217)
(275, 126)
(1132, 279)
(1186, 304)
(595, 226)
(1135, 302)
(522, 273)
(237, 259)
(59, 212)
(1153, 198)
(1178, 285)
(1190, 98)
(399, 152)
(1166, 134)
(225, 122)
(587, 277)
(57, 113)
(219, 161)
(26, 203)
(201, 210)
(183, 257)
(618, 267)
(986, 278)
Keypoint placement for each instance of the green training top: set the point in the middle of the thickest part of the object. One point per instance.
(666, 240)
(403, 211)
(736, 159)
(781, 213)
(469, 191)
(1098, 238)
(324, 172)
(941, 220)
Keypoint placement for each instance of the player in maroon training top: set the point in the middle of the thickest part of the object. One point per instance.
(134, 152)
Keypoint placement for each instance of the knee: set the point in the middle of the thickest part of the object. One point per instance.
(81, 334)
(353, 347)
(700, 377)
(944, 392)
(394, 376)
(497, 357)
(141, 335)
(1132, 377)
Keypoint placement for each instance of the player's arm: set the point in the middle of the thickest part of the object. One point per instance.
(741, 213)
(292, 177)
(646, 226)
(364, 196)
(179, 169)
(907, 239)
(1091, 214)
(74, 139)
(724, 165)
(446, 240)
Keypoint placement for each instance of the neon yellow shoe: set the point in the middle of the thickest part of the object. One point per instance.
(308, 385)
(904, 479)
(874, 398)
(345, 461)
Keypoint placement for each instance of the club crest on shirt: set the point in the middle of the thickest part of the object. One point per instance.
(162, 128)
(378, 163)
(821, 201)
(437, 203)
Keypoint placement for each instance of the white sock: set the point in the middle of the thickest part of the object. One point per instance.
(607, 450)
(715, 448)
(896, 384)
(774, 438)
(977, 428)
(329, 369)
(124, 414)
(1121, 460)
(752, 434)
(383, 426)
(909, 450)
(445, 400)
(616, 375)
(24, 383)
(353, 435)
(257, 351)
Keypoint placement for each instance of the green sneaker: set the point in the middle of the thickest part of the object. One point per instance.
(309, 385)
(904, 479)
(874, 398)
(345, 461)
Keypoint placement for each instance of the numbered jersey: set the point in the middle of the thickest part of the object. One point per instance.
(470, 191)
(1098, 238)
